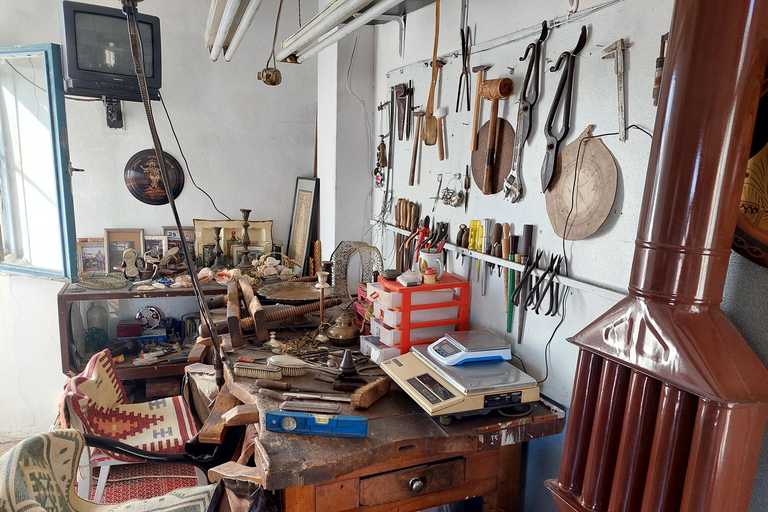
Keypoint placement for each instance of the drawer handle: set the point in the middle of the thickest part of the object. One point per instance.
(416, 484)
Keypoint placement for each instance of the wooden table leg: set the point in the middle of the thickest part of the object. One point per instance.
(509, 477)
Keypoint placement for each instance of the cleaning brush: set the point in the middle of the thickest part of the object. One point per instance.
(258, 371)
(290, 366)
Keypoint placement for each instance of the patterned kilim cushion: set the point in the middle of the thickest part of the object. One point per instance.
(37, 475)
(98, 399)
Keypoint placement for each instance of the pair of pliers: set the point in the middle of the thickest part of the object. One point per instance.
(568, 61)
(464, 76)
(524, 277)
(554, 293)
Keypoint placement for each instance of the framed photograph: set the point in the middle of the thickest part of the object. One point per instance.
(91, 256)
(156, 246)
(191, 325)
(174, 239)
(207, 255)
(237, 250)
(260, 233)
(302, 224)
(116, 240)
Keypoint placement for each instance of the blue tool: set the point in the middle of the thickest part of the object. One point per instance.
(337, 425)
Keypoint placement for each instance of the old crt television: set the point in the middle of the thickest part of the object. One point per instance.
(96, 52)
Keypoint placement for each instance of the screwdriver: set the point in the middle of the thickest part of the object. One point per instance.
(473, 241)
(287, 386)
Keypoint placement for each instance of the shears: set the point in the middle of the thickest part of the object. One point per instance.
(513, 186)
(464, 76)
(568, 61)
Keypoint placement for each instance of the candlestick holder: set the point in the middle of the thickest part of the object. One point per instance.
(322, 284)
(217, 252)
(245, 260)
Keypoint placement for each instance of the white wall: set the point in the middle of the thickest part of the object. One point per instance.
(246, 144)
(605, 258)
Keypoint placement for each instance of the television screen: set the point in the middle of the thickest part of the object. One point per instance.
(97, 52)
(103, 45)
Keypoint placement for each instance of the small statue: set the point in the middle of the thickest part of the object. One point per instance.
(129, 264)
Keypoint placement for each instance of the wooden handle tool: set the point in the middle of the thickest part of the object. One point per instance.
(415, 151)
(494, 90)
(480, 70)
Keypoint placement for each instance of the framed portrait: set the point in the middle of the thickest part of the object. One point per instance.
(91, 256)
(116, 240)
(207, 255)
(260, 233)
(237, 250)
(155, 245)
(303, 221)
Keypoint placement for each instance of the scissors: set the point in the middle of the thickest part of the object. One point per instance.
(464, 76)
(513, 186)
(568, 61)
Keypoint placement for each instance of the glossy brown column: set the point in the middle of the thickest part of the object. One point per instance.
(580, 417)
(720, 480)
(606, 434)
(635, 445)
(671, 327)
(669, 454)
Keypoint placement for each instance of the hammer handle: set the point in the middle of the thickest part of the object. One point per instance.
(440, 148)
(415, 151)
(491, 158)
(476, 117)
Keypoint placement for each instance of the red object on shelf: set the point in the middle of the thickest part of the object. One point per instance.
(128, 328)
(461, 299)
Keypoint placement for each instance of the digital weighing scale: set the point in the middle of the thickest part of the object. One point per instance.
(465, 390)
(461, 347)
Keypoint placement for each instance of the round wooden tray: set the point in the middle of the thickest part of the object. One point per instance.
(505, 147)
(291, 293)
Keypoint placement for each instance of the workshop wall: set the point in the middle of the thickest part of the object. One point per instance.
(246, 144)
(603, 259)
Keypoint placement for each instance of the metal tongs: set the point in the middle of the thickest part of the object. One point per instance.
(568, 61)
(513, 186)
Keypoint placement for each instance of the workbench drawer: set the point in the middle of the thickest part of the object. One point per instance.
(400, 485)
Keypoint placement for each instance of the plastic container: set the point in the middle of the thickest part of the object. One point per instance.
(389, 299)
(381, 353)
(366, 342)
(394, 318)
(391, 337)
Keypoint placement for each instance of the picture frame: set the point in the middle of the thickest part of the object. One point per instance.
(303, 219)
(174, 239)
(91, 256)
(155, 245)
(256, 252)
(260, 233)
(116, 240)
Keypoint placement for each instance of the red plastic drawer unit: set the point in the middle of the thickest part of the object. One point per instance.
(448, 281)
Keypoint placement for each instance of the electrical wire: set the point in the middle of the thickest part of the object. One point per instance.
(274, 38)
(521, 361)
(565, 231)
(186, 163)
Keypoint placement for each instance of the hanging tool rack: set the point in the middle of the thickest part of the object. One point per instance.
(562, 280)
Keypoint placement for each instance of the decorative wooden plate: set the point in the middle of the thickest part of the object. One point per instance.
(505, 146)
(595, 188)
(291, 293)
(751, 237)
(144, 181)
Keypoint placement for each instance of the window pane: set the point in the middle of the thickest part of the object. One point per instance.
(29, 209)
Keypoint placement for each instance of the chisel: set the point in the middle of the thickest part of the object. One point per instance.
(525, 250)
(473, 241)
(505, 255)
(486, 244)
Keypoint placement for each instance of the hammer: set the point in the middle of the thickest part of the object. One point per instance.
(480, 70)
(493, 90)
(416, 139)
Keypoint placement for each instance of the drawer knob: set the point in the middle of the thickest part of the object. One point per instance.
(416, 484)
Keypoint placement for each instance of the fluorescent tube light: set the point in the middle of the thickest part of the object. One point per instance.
(250, 13)
(230, 10)
(372, 12)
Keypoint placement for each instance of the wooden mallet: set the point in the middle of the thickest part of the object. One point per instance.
(480, 70)
(494, 90)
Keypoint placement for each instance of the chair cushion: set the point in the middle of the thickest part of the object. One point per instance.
(98, 399)
(37, 475)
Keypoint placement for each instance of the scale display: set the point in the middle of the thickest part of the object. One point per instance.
(457, 348)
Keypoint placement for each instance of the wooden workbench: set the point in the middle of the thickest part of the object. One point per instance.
(475, 456)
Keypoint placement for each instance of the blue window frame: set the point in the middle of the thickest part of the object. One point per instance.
(37, 228)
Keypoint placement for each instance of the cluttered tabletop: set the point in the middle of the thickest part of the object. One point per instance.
(396, 424)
